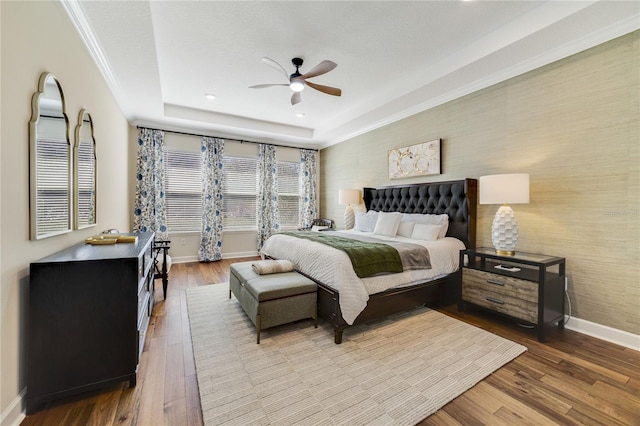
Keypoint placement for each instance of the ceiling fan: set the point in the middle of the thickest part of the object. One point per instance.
(298, 81)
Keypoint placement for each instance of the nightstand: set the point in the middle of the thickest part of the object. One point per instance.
(527, 287)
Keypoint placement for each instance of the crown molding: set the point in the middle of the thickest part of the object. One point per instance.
(84, 29)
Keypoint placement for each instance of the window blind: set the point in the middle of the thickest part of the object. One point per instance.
(53, 189)
(288, 193)
(86, 183)
(239, 191)
(183, 190)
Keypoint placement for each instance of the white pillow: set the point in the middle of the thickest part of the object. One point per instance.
(423, 231)
(405, 229)
(387, 224)
(430, 219)
(318, 228)
(366, 222)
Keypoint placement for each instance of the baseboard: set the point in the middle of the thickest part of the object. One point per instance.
(14, 415)
(240, 254)
(603, 332)
(184, 259)
(187, 259)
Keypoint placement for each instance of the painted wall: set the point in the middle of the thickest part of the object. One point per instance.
(38, 37)
(574, 127)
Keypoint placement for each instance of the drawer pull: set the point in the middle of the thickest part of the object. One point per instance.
(496, 282)
(494, 300)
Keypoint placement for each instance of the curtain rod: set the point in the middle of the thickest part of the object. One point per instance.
(230, 139)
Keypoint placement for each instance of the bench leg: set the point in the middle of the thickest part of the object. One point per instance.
(258, 325)
(315, 317)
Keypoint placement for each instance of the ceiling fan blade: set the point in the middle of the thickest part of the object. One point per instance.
(322, 68)
(276, 66)
(325, 89)
(296, 98)
(262, 86)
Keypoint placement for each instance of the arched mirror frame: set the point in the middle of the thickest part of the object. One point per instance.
(35, 183)
(84, 128)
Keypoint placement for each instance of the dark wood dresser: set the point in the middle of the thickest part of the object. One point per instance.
(89, 308)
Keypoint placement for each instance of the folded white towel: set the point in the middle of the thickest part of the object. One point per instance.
(264, 267)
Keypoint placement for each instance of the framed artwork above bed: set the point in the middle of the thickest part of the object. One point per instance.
(415, 160)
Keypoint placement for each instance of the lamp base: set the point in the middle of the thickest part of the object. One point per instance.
(349, 217)
(504, 231)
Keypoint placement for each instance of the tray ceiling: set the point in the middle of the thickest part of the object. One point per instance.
(394, 58)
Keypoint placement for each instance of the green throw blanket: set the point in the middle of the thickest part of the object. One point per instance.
(368, 258)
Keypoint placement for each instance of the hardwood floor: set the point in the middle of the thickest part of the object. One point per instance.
(572, 379)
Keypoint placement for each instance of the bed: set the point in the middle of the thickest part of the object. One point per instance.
(329, 269)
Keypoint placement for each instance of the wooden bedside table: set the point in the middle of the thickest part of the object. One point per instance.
(527, 287)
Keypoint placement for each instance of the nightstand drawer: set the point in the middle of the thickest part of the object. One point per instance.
(512, 296)
(507, 286)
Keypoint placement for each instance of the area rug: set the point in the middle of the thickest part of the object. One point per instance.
(396, 371)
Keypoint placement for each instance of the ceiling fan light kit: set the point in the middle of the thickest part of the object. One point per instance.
(296, 86)
(297, 81)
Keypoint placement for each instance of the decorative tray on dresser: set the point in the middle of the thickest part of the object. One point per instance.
(89, 308)
(527, 287)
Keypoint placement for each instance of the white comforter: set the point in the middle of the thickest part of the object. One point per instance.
(332, 267)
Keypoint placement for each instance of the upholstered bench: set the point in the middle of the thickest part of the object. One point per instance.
(273, 299)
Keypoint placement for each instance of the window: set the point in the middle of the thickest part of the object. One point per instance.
(239, 206)
(289, 193)
(183, 187)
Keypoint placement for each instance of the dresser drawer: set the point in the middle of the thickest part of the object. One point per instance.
(142, 335)
(145, 262)
(143, 303)
(512, 296)
(143, 306)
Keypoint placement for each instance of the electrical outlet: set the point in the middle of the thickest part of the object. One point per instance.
(183, 242)
(566, 283)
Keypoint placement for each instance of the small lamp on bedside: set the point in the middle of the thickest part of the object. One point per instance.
(504, 189)
(348, 197)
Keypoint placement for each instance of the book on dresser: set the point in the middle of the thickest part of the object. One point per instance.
(89, 309)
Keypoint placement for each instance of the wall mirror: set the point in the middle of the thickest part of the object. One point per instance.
(84, 178)
(49, 161)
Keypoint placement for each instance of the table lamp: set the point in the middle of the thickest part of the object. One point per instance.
(504, 189)
(348, 197)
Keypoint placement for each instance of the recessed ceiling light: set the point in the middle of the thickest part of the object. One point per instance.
(210, 96)
(300, 114)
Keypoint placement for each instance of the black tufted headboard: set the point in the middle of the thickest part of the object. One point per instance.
(456, 198)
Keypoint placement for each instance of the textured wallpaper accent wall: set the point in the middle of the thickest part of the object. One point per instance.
(573, 125)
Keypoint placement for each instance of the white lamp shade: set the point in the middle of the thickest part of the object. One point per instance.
(348, 196)
(504, 189)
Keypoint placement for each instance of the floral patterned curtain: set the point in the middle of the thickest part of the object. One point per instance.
(149, 205)
(267, 202)
(308, 196)
(211, 167)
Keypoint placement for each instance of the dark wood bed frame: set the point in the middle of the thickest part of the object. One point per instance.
(458, 199)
